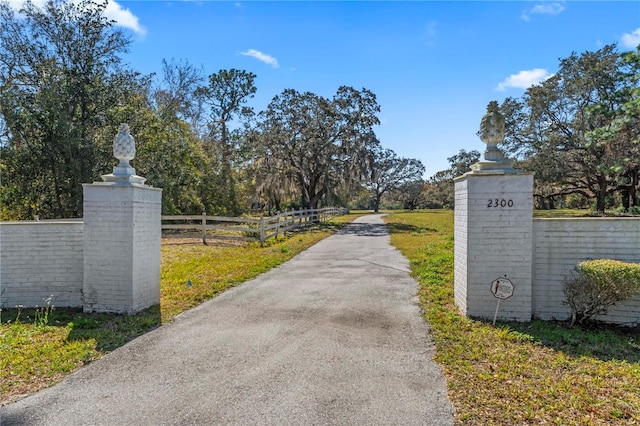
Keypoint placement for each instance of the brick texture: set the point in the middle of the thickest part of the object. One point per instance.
(122, 247)
(40, 261)
(560, 244)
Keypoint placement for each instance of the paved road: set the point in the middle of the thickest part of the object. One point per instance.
(332, 337)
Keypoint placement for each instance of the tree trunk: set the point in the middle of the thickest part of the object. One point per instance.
(314, 199)
(59, 208)
(625, 195)
(542, 204)
(601, 194)
(633, 190)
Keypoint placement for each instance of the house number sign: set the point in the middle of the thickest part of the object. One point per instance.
(499, 202)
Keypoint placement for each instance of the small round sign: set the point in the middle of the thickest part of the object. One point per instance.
(502, 288)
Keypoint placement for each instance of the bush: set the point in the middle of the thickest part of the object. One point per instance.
(631, 211)
(598, 284)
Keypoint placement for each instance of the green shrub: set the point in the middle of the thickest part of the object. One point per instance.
(598, 284)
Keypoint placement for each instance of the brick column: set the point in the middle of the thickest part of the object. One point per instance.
(122, 231)
(493, 238)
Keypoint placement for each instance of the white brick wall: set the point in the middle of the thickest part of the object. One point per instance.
(40, 260)
(560, 244)
(108, 261)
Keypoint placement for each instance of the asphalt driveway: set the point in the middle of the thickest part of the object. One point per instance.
(332, 337)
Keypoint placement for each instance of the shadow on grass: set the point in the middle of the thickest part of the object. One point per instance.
(110, 331)
(400, 228)
(601, 341)
(372, 230)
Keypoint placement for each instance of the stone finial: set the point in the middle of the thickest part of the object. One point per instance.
(124, 149)
(124, 146)
(492, 125)
(492, 132)
(492, 129)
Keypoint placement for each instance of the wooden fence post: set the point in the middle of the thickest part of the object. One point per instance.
(204, 228)
(261, 231)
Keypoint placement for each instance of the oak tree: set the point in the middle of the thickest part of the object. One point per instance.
(320, 144)
(389, 172)
(565, 128)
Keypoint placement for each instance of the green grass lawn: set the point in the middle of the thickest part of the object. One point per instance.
(560, 213)
(38, 347)
(563, 213)
(517, 373)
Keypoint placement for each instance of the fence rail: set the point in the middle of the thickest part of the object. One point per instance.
(240, 228)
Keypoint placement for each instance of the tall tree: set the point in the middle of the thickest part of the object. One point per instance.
(300, 130)
(621, 135)
(357, 115)
(409, 195)
(176, 96)
(226, 95)
(320, 143)
(390, 172)
(60, 72)
(561, 118)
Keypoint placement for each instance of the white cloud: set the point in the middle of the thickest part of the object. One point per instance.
(122, 17)
(631, 40)
(267, 59)
(543, 9)
(524, 79)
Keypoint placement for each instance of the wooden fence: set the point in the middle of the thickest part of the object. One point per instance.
(243, 229)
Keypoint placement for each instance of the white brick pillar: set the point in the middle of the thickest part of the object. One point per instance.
(493, 239)
(122, 232)
(493, 231)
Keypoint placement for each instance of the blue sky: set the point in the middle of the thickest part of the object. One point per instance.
(434, 66)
